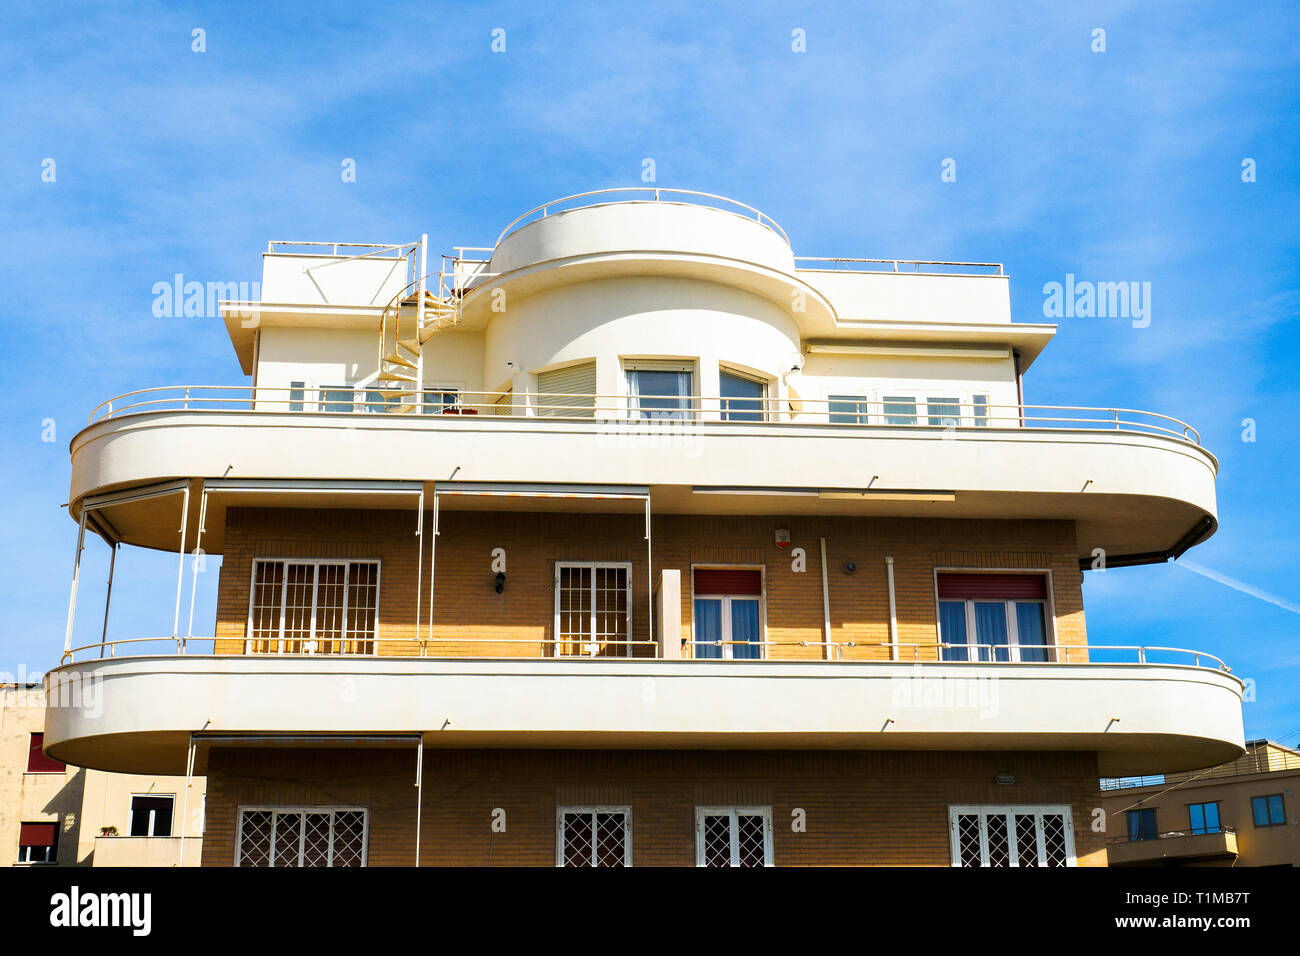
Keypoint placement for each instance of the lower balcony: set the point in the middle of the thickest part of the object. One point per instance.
(1179, 848)
(147, 851)
(140, 713)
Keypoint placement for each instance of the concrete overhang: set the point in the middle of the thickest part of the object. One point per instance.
(136, 714)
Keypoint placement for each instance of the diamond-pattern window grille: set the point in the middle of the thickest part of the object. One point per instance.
(1011, 836)
(733, 836)
(590, 836)
(307, 836)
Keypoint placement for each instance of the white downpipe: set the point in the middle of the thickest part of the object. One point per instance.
(419, 565)
(185, 801)
(649, 573)
(433, 544)
(180, 565)
(893, 610)
(826, 603)
(419, 794)
(76, 576)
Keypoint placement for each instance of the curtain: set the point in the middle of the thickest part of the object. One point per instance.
(708, 627)
(952, 629)
(1030, 629)
(744, 627)
(991, 628)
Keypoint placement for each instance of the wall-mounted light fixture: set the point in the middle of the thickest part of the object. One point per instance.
(1004, 779)
(501, 581)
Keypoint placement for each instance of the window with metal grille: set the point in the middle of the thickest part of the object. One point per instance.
(37, 762)
(1011, 836)
(302, 836)
(306, 606)
(593, 608)
(593, 836)
(151, 815)
(733, 836)
(568, 392)
(38, 842)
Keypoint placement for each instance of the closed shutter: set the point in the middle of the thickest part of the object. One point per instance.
(36, 834)
(37, 762)
(568, 392)
(728, 581)
(994, 587)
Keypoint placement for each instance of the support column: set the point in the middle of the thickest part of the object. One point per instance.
(185, 800)
(419, 793)
(180, 567)
(433, 544)
(108, 596)
(76, 575)
(649, 574)
(194, 570)
(826, 605)
(419, 568)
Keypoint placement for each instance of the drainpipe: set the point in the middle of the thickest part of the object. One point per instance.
(826, 603)
(893, 610)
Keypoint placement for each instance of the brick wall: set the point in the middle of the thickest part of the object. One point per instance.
(861, 808)
(466, 604)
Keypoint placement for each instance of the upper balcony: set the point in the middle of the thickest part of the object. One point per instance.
(1137, 484)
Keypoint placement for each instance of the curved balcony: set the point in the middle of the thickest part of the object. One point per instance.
(136, 713)
(1136, 483)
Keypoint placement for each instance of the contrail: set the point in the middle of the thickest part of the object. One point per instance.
(1240, 586)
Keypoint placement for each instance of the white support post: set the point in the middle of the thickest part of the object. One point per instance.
(419, 793)
(419, 565)
(180, 567)
(185, 801)
(421, 288)
(194, 569)
(893, 610)
(826, 604)
(433, 544)
(108, 596)
(76, 575)
(649, 575)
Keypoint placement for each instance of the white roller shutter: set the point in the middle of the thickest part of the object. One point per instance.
(568, 392)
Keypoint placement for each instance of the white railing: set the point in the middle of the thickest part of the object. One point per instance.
(385, 398)
(902, 266)
(650, 194)
(578, 648)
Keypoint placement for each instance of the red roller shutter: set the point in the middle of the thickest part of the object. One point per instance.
(728, 581)
(37, 762)
(36, 834)
(993, 587)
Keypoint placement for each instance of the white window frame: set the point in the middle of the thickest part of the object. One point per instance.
(591, 811)
(861, 417)
(726, 607)
(970, 413)
(444, 388)
(764, 398)
(1007, 811)
(249, 640)
(152, 817)
(1049, 613)
(734, 812)
(557, 640)
(688, 365)
(275, 810)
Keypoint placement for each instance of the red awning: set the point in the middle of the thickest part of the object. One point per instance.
(36, 834)
(993, 587)
(739, 581)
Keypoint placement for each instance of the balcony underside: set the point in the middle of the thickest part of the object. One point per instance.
(1200, 849)
(136, 714)
(1129, 493)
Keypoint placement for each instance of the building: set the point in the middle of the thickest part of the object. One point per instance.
(55, 814)
(1240, 813)
(635, 539)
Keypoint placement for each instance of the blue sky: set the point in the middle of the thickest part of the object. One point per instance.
(1115, 166)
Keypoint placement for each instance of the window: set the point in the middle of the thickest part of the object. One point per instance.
(568, 392)
(1203, 817)
(1142, 824)
(151, 815)
(659, 390)
(444, 400)
(593, 608)
(1011, 836)
(313, 607)
(847, 409)
(744, 399)
(727, 613)
(337, 398)
(37, 762)
(593, 836)
(733, 836)
(381, 396)
(296, 392)
(1268, 811)
(993, 608)
(37, 842)
(899, 410)
(980, 406)
(945, 412)
(302, 836)
(505, 403)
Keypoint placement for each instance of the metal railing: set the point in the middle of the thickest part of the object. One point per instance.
(901, 266)
(386, 398)
(653, 194)
(569, 647)
(1260, 758)
(1173, 835)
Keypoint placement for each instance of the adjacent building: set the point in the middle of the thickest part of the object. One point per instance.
(1240, 813)
(635, 539)
(55, 814)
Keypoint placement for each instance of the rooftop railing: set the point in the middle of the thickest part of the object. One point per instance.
(1258, 759)
(1155, 838)
(901, 266)
(644, 194)
(569, 647)
(666, 411)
